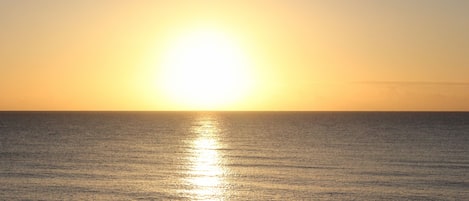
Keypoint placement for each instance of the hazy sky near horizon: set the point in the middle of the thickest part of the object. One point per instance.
(304, 55)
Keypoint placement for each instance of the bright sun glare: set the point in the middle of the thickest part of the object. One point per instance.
(205, 69)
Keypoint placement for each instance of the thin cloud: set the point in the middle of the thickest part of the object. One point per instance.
(414, 83)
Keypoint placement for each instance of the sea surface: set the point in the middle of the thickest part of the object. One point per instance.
(234, 156)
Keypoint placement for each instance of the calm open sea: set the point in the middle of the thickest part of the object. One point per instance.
(234, 156)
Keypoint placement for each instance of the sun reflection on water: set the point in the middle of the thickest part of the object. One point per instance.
(206, 172)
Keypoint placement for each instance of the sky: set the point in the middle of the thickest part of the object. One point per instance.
(300, 55)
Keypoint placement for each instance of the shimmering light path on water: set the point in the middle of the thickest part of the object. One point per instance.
(234, 156)
(207, 171)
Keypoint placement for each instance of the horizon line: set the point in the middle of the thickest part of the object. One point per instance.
(390, 111)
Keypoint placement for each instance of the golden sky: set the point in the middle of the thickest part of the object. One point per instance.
(294, 55)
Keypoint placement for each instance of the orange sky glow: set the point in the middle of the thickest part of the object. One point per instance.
(234, 55)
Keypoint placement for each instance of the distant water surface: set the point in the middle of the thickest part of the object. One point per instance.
(234, 156)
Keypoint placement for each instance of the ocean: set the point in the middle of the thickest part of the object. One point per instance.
(234, 156)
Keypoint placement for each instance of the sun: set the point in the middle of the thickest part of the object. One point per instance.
(205, 69)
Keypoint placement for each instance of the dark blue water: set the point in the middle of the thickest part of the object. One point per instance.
(234, 156)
